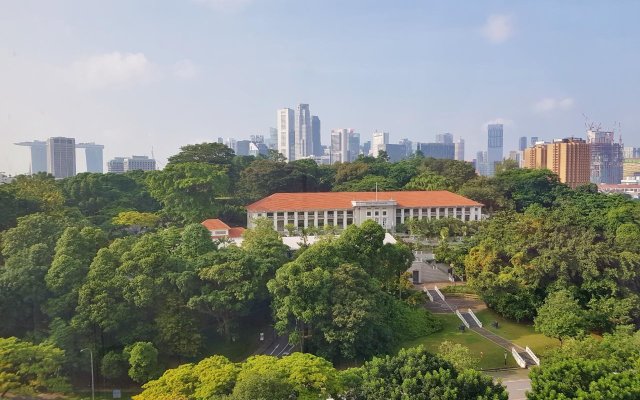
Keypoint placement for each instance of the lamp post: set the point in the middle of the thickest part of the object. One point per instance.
(93, 388)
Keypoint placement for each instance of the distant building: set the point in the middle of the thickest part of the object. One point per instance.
(61, 157)
(316, 136)
(219, 230)
(116, 165)
(258, 149)
(631, 152)
(515, 156)
(4, 179)
(481, 163)
(341, 209)
(494, 147)
(395, 152)
(444, 151)
(408, 144)
(273, 139)
(38, 155)
(378, 141)
(119, 165)
(523, 143)
(446, 138)
(631, 167)
(366, 147)
(353, 145)
(569, 158)
(340, 141)
(93, 154)
(303, 138)
(242, 147)
(534, 140)
(286, 133)
(631, 189)
(606, 157)
(459, 150)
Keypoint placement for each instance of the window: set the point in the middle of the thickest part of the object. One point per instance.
(384, 213)
(368, 213)
(377, 213)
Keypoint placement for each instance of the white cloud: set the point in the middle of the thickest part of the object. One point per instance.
(185, 69)
(498, 28)
(112, 69)
(550, 104)
(225, 5)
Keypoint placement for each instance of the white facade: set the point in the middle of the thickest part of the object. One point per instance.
(286, 133)
(378, 142)
(387, 213)
(340, 145)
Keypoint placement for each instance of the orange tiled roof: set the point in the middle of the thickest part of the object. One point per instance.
(214, 224)
(342, 200)
(236, 232)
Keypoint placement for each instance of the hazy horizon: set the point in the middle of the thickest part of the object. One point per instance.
(162, 74)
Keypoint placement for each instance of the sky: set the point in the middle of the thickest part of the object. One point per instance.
(137, 75)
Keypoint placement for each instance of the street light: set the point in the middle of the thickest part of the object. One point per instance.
(93, 388)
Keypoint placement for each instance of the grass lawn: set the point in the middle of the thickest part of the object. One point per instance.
(490, 354)
(521, 334)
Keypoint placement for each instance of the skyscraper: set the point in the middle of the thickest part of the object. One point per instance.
(353, 145)
(119, 165)
(606, 157)
(339, 145)
(444, 138)
(408, 146)
(303, 137)
(523, 143)
(316, 136)
(459, 149)
(569, 158)
(93, 154)
(494, 147)
(61, 157)
(445, 151)
(534, 140)
(38, 155)
(481, 163)
(273, 139)
(286, 133)
(378, 141)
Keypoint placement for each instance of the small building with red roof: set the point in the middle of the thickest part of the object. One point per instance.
(220, 230)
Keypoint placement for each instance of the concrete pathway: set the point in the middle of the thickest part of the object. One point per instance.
(516, 380)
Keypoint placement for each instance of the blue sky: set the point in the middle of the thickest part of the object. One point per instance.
(133, 74)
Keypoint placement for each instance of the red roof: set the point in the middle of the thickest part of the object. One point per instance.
(236, 232)
(342, 200)
(215, 225)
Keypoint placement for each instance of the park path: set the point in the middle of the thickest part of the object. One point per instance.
(439, 304)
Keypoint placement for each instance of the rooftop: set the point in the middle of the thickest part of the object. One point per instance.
(343, 200)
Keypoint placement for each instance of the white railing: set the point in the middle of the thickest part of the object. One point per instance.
(451, 278)
(533, 356)
(439, 292)
(475, 318)
(464, 321)
(519, 360)
(428, 294)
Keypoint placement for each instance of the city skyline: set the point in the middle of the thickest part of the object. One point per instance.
(192, 71)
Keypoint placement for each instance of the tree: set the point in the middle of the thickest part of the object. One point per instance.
(136, 221)
(27, 368)
(560, 316)
(429, 181)
(368, 183)
(530, 186)
(458, 355)
(417, 374)
(208, 153)
(188, 191)
(143, 361)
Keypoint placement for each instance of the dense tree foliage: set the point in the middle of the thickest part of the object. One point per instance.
(590, 369)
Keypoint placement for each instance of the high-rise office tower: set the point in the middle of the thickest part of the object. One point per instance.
(378, 141)
(38, 155)
(481, 163)
(569, 158)
(523, 143)
(303, 137)
(631, 152)
(444, 138)
(339, 145)
(273, 139)
(142, 163)
(494, 147)
(444, 151)
(93, 154)
(61, 157)
(353, 145)
(534, 140)
(242, 147)
(459, 149)
(606, 157)
(286, 133)
(408, 146)
(316, 136)
(366, 147)
(116, 165)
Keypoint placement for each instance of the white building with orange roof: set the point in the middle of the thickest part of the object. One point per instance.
(220, 230)
(340, 209)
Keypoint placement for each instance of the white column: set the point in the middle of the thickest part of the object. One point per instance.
(275, 221)
(402, 215)
(315, 219)
(420, 213)
(344, 219)
(326, 217)
(306, 219)
(295, 219)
